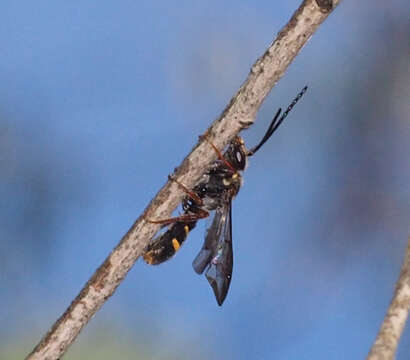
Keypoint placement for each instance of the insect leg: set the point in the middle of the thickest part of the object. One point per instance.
(185, 218)
(190, 193)
(218, 152)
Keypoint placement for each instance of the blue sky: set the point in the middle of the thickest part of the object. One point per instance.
(100, 101)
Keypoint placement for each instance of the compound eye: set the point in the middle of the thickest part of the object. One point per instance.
(239, 157)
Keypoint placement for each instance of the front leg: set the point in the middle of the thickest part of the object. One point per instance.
(218, 152)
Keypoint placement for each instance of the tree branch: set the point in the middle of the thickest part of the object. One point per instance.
(239, 114)
(387, 340)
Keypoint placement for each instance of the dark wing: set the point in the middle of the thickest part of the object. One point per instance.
(216, 254)
(209, 248)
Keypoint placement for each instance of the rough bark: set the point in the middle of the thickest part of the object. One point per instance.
(387, 340)
(239, 114)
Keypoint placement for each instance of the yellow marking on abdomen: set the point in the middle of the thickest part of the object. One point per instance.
(186, 228)
(175, 244)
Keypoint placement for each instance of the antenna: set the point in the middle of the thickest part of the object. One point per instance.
(276, 122)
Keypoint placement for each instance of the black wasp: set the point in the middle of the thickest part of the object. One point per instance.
(215, 192)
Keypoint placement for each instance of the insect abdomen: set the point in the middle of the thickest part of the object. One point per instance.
(167, 244)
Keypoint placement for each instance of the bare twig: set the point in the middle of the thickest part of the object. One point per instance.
(239, 113)
(387, 340)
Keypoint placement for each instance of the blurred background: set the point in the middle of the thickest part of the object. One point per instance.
(99, 101)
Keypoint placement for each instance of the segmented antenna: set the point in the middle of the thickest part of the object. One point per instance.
(276, 122)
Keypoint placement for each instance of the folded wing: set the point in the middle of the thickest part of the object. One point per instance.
(216, 254)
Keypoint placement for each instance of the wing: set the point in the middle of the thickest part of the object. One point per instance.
(216, 254)
(209, 248)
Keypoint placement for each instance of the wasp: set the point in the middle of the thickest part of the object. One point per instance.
(214, 192)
